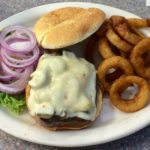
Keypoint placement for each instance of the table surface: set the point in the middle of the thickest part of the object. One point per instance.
(137, 141)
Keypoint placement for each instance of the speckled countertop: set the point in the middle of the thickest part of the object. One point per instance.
(137, 141)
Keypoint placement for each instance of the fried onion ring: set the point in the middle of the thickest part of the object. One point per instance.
(117, 41)
(113, 62)
(137, 60)
(126, 34)
(136, 31)
(104, 48)
(107, 50)
(121, 26)
(139, 22)
(116, 20)
(140, 99)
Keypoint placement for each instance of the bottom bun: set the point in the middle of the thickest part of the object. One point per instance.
(75, 123)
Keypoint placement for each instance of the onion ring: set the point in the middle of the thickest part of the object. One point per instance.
(117, 41)
(138, 102)
(104, 48)
(113, 62)
(107, 50)
(121, 26)
(135, 30)
(136, 22)
(137, 60)
(126, 34)
(116, 20)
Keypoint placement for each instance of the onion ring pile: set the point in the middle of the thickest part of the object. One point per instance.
(17, 62)
(130, 61)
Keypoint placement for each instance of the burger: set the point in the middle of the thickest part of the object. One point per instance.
(63, 92)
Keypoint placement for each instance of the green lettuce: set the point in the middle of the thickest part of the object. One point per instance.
(15, 104)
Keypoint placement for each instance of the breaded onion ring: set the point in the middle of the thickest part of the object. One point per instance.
(138, 102)
(104, 48)
(137, 60)
(126, 34)
(107, 50)
(136, 31)
(116, 20)
(113, 62)
(139, 22)
(117, 41)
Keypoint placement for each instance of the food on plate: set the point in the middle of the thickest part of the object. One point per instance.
(67, 26)
(115, 62)
(18, 56)
(15, 103)
(136, 58)
(133, 104)
(113, 73)
(136, 31)
(107, 50)
(126, 34)
(104, 48)
(114, 38)
(124, 30)
(136, 22)
(62, 92)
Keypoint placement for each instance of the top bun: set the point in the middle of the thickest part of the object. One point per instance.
(67, 26)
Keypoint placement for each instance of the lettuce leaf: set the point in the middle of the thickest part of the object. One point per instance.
(15, 104)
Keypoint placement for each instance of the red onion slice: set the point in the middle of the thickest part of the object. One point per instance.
(19, 63)
(7, 70)
(19, 54)
(22, 31)
(34, 56)
(17, 86)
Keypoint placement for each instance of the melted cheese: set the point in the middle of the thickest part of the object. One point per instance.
(64, 86)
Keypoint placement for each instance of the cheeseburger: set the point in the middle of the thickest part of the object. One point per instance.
(63, 93)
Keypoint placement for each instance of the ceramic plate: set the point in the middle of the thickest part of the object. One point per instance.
(111, 125)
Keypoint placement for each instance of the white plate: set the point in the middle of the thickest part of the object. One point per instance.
(111, 125)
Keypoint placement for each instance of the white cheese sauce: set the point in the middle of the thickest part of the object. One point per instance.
(64, 86)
